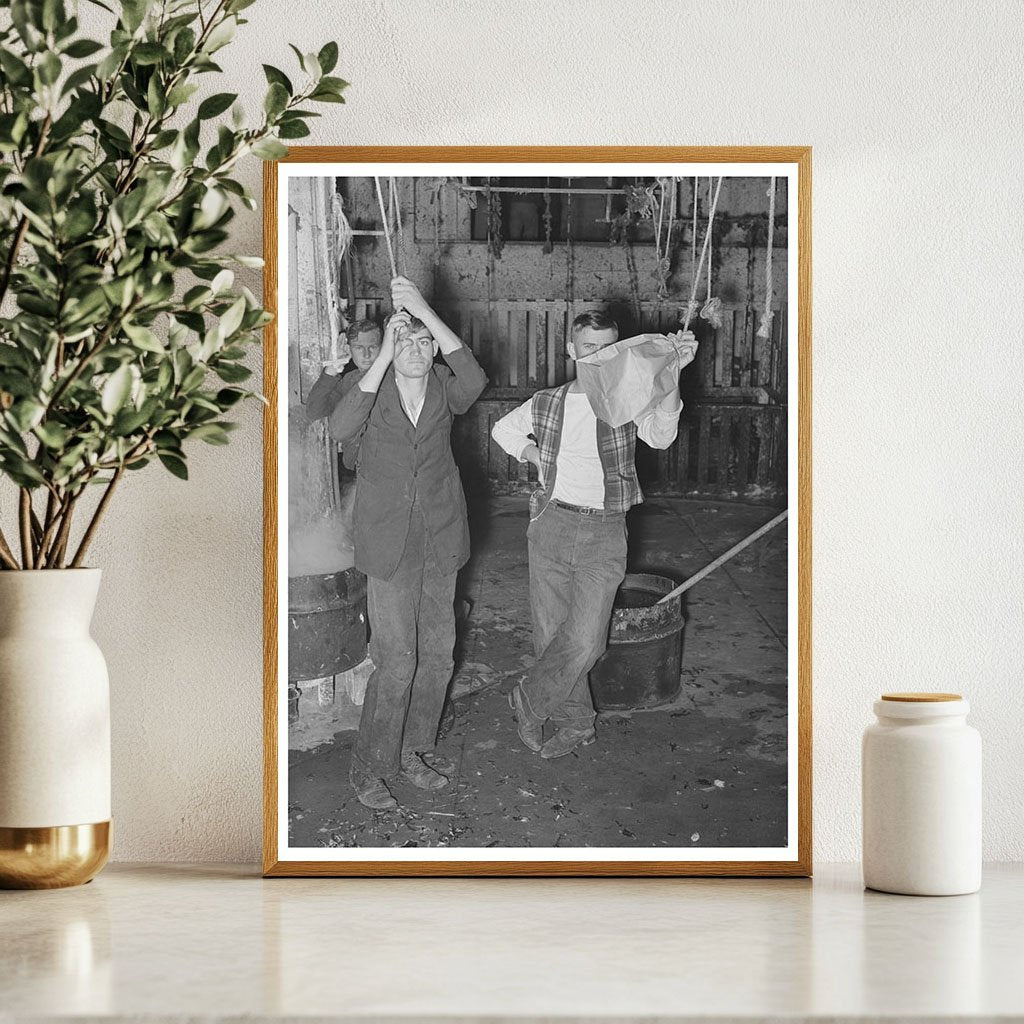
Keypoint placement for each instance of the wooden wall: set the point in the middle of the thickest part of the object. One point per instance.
(512, 309)
(732, 433)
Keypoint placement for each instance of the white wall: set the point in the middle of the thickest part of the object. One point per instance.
(914, 113)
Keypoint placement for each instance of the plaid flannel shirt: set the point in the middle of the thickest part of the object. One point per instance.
(615, 445)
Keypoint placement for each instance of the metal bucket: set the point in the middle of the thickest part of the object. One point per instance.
(326, 624)
(640, 668)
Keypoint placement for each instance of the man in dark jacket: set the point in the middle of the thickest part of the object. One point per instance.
(411, 537)
(362, 345)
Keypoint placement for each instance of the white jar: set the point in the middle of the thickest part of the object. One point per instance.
(921, 778)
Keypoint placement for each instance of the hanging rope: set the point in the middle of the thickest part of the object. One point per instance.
(664, 255)
(668, 233)
(712, 309)
(691, 306)
(387, 229)
(437, 222)
(661, 214)
(711, 247)
(765, 330)
(658, 273)
(342, 240)
(395, 205)
(342, 232)
(671, 218)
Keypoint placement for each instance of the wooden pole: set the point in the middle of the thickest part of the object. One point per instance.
(722, 559)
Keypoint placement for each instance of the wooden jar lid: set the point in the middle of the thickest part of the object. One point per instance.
(921, 698)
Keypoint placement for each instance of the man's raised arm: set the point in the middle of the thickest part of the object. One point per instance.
(658, 426)
(326, 392)
(469, 378)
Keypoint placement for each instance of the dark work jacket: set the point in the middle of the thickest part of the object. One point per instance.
(397, 461)
(323, 399)
(328, 391)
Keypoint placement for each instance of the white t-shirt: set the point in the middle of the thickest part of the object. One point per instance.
(579, 478)
(413, 407)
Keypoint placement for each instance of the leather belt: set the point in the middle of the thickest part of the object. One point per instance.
(581, 509)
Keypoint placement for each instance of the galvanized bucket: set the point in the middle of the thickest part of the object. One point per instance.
(326, 624)
(640, 668)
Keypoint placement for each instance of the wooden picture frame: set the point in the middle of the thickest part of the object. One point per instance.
(790, 161)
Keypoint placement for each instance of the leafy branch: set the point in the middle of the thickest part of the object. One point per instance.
(116, 194)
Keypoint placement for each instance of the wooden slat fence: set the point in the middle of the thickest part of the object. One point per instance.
(521, 342)
(732, 434)
(731, 450)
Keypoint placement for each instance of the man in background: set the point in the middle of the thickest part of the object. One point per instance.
(577, 534)
(362, 345)
(411, 537)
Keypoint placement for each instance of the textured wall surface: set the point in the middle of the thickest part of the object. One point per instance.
(465, 270)
(913, 110)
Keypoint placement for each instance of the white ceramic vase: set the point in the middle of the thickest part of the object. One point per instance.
(54, 731)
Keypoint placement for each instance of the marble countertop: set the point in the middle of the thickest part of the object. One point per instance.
(174, 942)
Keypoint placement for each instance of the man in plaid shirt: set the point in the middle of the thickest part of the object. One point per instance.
(577, 535)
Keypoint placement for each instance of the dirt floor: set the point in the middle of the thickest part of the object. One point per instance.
(707, 770)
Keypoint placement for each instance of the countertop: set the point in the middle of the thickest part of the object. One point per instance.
(175, 942)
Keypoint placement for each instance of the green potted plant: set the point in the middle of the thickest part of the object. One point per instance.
(122, 342)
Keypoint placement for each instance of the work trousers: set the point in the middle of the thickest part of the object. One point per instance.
(412, 637)
(577, 562)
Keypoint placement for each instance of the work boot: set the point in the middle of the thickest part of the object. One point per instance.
(374, 793)
(420, 774)
(529, 726)
(565, 741)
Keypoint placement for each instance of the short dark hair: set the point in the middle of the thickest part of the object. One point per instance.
(363, 326)
(596, 320)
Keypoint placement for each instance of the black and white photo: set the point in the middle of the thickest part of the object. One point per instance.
(537, 519)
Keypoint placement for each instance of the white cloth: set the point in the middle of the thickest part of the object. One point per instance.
(634, 375)
(578, 466)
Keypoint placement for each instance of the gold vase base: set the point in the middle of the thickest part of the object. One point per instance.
(53, 857)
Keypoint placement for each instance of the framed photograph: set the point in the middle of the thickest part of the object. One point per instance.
(538, 511)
